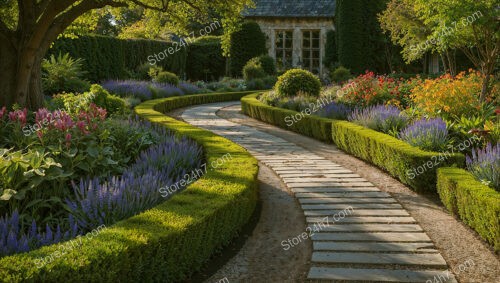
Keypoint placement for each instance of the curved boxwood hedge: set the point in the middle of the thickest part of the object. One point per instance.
(311, 126)
(476, 204)
(170, 241)
(394, 156)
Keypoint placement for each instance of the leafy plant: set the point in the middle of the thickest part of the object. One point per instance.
(386, 119)
(426, 134)
(164, 77)
(341, 75)
(253, 70)
(297, 80)
(484, 164)
(63, 73)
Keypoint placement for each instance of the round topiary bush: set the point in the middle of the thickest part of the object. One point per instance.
(267, 63)
(253, 70)
(297, 81)
(167, 78)
(341, 75)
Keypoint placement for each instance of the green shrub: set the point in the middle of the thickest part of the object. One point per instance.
(267, 63)
(476, 204)
(246, 44)
(154, 71)
(297, 81)
(341, 75)
(74, 103)
(412, 166)
(205, 60)
(311, 126)
(253, 70)
(256, 84)
(330, 49)
(167, 78)
(172, 240)
(63, 73)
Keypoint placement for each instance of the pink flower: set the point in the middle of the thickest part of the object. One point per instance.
(83, 127)
(19, 116)
(43, 116)
(2, 112)
(68, 139)
(63, 122)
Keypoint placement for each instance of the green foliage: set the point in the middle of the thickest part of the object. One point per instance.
(394, 156)
(172, 240)
(74, 103)
(297, 81)
(63, 73)
(474, 203)
(112, 58)
(166, 78)
(246, 44)
(205, 60)
(361, 45)
(341, 75)
(311, 126)
(267, 63)
(253, 70)
(330, 49)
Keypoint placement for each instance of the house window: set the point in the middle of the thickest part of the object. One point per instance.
(284, 49)
(311, 51)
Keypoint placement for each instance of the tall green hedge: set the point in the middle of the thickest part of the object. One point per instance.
(171, 241)
(205, 60)
(113, 58)
(360, 41)
(331, 56)
(476, 204)
(247, 43)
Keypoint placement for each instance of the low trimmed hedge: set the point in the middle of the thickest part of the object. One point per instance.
(474, 203)
(394, 156)
(398, 158)
(174, 239)
(311, 126)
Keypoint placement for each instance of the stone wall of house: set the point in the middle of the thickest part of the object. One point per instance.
(270, 25)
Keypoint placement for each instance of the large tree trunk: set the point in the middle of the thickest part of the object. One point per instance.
(20, 76)
(8, 67)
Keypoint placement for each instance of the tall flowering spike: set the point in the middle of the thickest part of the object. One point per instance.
(426, 134)
(484, 164)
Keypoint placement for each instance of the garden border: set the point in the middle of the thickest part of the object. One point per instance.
(392, 155)
(475, 204)
(172, 240)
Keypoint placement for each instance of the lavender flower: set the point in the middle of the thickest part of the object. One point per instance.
(426, 134)
(336, 111)
(138, 89)
(484, 164)
(107, 201)
(386, 119)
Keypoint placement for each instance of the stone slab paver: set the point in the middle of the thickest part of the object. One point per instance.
(378, 231)
(380, 275)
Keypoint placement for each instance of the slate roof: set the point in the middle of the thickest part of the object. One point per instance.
(292, 8)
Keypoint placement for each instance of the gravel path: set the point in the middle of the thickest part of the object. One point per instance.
(359, 232)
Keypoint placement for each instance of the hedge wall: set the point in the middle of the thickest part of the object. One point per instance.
(205, 60)
(476, 204)
(247, 43)
(174, 239)
(393, 155)
(311, 126)
(400, 159)
(112, 58)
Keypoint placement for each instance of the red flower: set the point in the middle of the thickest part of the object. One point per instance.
(2, 112)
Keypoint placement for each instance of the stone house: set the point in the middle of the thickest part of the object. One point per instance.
(296, 31)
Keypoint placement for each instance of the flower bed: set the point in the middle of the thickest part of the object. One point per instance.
(167, 242)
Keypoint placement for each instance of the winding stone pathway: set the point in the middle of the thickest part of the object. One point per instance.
(359, 233)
